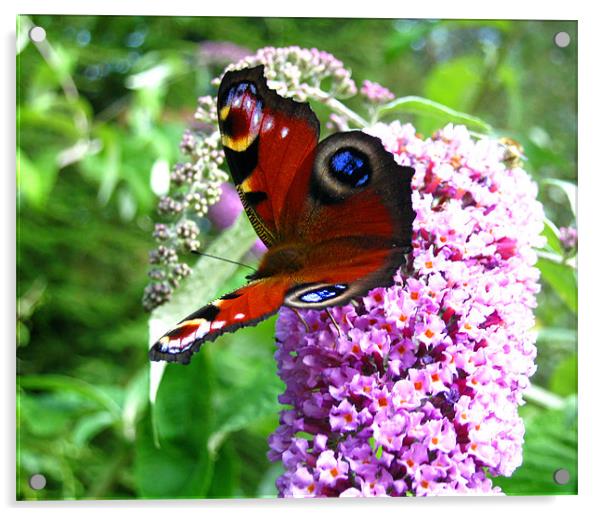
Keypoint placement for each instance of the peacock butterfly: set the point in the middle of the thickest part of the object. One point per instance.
(336, 216)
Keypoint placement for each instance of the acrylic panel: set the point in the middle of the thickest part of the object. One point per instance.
(409, 328)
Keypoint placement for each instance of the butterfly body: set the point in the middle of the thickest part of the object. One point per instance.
(336, 216)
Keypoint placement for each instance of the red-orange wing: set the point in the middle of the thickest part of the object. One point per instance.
(246, 306)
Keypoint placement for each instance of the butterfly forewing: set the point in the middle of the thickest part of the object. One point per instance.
(269, 142)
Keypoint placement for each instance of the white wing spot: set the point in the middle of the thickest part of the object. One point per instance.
(268, 122)
(174, 346)
(239, 316)
(217, 325)
(203, 329)
(284, 132)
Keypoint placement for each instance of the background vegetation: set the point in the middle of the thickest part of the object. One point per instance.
(105, 99)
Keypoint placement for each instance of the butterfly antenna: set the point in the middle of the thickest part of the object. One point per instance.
(224, 260)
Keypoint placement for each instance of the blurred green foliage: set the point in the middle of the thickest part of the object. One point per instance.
(105, 99)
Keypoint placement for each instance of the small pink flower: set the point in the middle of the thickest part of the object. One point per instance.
(331, 469)
(344, 417)
(376, 93)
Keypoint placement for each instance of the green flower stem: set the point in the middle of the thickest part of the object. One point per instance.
(421, 106)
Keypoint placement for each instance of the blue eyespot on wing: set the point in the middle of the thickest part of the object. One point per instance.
(316, 295)
(350, 167)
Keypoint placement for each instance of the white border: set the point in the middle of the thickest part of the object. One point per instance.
(590, 170)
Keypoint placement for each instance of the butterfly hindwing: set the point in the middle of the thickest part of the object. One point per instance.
(357, 222)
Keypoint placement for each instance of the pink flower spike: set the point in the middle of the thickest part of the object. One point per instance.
(418, 394)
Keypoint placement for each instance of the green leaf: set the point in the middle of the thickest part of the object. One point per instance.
(35, 179)
(135, 402)
(226, 473)
(267, 485)
(454, 84)
(110, 159)
(421, 106)
(557, 334)
(61, 383)
(569, 189)
(246, 404)
(400, 40)
(44, 415)
(562, 278)
(564, 378)
(561, 339)
(552, 234)
(180, 466)
(90, 426)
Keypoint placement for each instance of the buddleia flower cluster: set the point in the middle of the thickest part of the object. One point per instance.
(195, 184)
(376, 93)
(414, 389)
(301, 73)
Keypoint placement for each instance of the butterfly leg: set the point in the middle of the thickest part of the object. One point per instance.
(334, 322)
(301, 319)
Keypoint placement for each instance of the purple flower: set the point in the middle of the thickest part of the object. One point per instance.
(225, 211)
(418, 395)
(375, 93)
(258, 249)
(568, 238)
(221, 52)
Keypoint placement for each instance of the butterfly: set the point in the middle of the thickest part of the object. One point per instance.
(336, 215)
